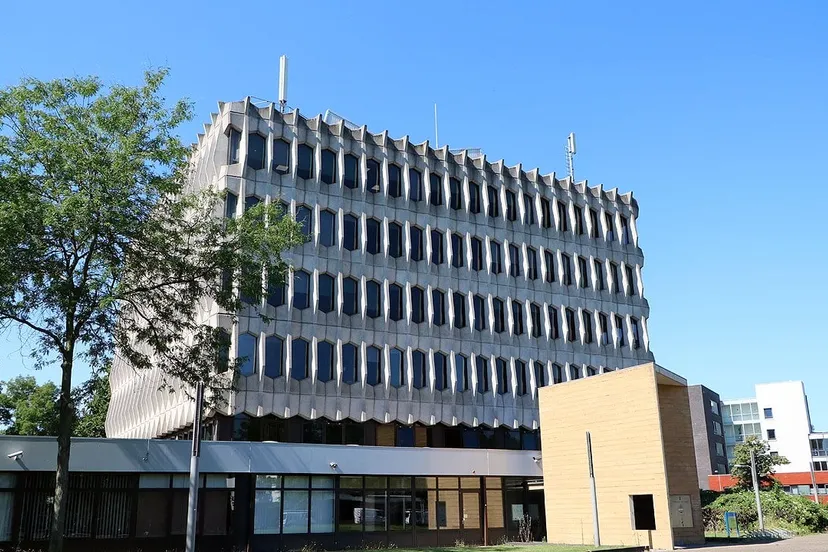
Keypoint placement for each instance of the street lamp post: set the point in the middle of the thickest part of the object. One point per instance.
(755, 478)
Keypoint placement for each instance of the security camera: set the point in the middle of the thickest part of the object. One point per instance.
(15, 455)
(536, 459)
(333, 465)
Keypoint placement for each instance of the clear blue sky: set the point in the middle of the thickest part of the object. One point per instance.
(714, 113)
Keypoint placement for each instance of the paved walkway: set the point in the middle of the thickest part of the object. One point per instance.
(811, 543)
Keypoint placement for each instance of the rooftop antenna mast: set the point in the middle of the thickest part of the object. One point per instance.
(283, 69)
(570, 154)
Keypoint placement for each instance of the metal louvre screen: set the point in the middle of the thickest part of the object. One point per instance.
(114, 512)
(37, 515)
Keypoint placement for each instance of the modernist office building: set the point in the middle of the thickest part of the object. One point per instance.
(436, 293)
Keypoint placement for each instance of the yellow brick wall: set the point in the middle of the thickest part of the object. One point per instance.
(680, 458)
(621, 411)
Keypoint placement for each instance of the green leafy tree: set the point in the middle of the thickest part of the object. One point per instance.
(91, 403)
(105, 247)
(27, 408)
(765, 463)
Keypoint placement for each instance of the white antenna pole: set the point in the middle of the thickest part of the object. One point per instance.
(570, 154)
(436, 136)
(283, 69)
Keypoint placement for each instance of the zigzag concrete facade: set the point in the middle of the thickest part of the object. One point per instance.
(458, 317)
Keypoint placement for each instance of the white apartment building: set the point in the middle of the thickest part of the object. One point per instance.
(778, 414)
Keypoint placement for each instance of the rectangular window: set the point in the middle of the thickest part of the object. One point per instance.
(417, 307)
(477, 254)
(563, 218)
(771, 435)
(549, 264)
(514, 261)
(717, 428)
(535, 313)
(608, 221)
(328, 168)
(532, 258)
(570, 325)
(499, 315)
(517, 317)
(603, 321)
(567, 269)
(714, 407)
(616, 280)
(373, 241)
(455, 194)
(593, 223)
(625, 231)
(474, 197)
(598, 266)
(579, 220)
(768, 413)
(496, 266)
(540, 374)
(461, 373)
(482, 369)
(553, 322)
(231, 202)
(350, 232)
(583, 272)
(459, 304)
(457, 256)
(494, 202)
(574, 372)
(415, 185)
(435, 196)
(235, 146)
(636, 337)
(630, 280)
(372, 176)
(557, 374)
(415, 235)
(437, 251)
(438, 308)
(643, 512)
(546, 213)
(522, 377)
(528, 210)
(351, 177)
(304, 167)
(586, 318)
(479, 313)
(511, 206)
(502, 375)
(719, 449)
(394, 181)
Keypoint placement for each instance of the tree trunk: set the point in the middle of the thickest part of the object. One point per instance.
(64, 437)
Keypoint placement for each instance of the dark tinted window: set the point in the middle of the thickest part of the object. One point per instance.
(549, 261)
(517, 317)
(497, 258)
(437, 251)
(250, 202)
(532, 258)
(537, 324)
(395, 241)
(579, 220)
(599, 274)
(350, 363)
(247, 354)
(554, 325)
(274, 347)
(593, 223)
(417, 305)
(514, 261)
(461, 372)
(350, 296)
(511, 205)
(438, 307)
(327, 228)
(457, 255)
(440, 371)
(502, 375)
(256, 151)
(570, 325)
(281, 157)
(415, 185)
(494, 202)
(328, 172)
(397, 301)
(325, 361)
(459, 307)
(301, 290)
(574, 372)
(456, 197)
(563, 217)
(327, 293)
(540, 374)
(479, 313)
(499, 315)
(567, 269)
(584, 273)
(373, 364)
(557, 374)
(373, 295)
(482, 369)
(625, 231)
(350, 229)
(603, 327)
(299, 359)
(418, 363)
(619, 331)
(610, 224)
(630, 280)
(397, 358)
(231, 202)
(546, 213)
(528, 210)
(474, 197)
(304, 168)
(416, 237)
(351, 177)
(304, 216)
(374, 244)
(235, 146)
(477, 253)
(394, 181)
(586, 318)
(275, 292)
(636, 333)
(522, 377)
(435, 189)
(373, 176)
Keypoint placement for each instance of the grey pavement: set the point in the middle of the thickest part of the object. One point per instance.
(811, 543)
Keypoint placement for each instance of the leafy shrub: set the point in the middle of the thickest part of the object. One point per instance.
(794, 512)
